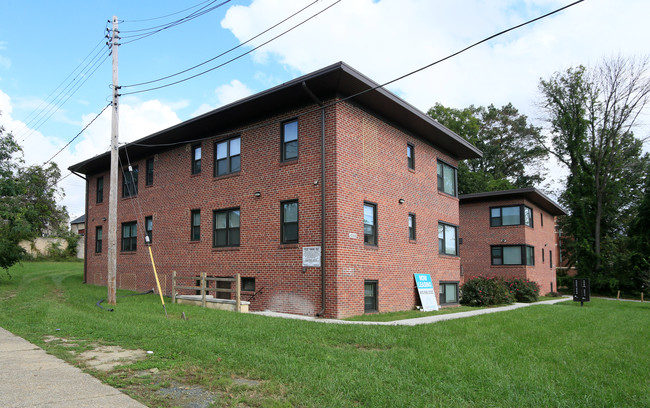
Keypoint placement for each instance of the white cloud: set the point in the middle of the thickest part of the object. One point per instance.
(137, 119)
(225, 94)
(389, 38)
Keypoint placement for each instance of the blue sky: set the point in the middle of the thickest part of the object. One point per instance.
(42, 42)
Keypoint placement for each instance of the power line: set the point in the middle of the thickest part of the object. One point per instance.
(156, 30)
(165, 16)
(275, 121)
(77, 135)
(223, 53)
(235, 58)
(64, 95)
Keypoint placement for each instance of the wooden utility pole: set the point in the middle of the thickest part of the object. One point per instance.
(112, 199)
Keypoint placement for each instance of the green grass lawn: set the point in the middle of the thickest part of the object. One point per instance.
(559, 355)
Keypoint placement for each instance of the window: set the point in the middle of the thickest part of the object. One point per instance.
(149, 178)
(448, 293)
(130, 182)
(196, 159)
(513, 255)
(369, 224)
(511, 215)
(410, 154)
(447, 239)
(227, 156)
(446, 178)
(226, 228)
(195, 228)
(129, 236)
(248, 284)
(289, 221)
(542, 255)
(148, 228)
(550, 259)
(370, 296)
(100, 189)
(541, 218)
(412, 227)
(290, 140)
(98, 239)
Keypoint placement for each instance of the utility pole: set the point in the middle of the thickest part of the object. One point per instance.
(112, 199)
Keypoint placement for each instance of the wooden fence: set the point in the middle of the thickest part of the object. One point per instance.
(204, 289)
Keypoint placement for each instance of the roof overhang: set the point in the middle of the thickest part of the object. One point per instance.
(335, 81)
(531, 194)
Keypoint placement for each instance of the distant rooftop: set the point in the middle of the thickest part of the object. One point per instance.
(530, 193)
(79, 220)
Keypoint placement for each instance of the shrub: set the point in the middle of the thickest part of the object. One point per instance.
(523, 290)
(482, 291)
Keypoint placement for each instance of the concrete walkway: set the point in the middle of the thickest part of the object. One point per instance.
(419, 320)
(29, 377)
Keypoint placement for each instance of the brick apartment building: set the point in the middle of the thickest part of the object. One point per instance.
(510, 234)
(326, 160)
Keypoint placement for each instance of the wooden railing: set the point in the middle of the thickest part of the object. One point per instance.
(204, 289)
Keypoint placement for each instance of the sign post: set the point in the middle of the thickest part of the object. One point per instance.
(425, 289)
(581, 291)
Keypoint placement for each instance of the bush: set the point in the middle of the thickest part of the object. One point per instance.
(482, 291)
(523, 290)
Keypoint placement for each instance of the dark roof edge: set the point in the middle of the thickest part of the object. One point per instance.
(530, 193)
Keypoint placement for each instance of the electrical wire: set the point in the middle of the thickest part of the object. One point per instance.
(275, 121)
(77, 135)
(165, 16)
(235, 58)
(28, 120)
(185, 19)
(223, 53)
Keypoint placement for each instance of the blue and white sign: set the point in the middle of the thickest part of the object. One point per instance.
(425, 289)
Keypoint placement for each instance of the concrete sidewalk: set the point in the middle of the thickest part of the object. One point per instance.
(29, 377)
(419, 320)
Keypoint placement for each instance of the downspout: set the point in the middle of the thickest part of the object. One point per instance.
(86, 234)
(322, 192)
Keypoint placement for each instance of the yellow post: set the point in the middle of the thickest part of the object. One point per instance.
(157, 281)
(238, 292)
(618, 295)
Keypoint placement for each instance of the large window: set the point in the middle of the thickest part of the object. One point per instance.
(446, 178)
(289, 222)
(130, 182)
(370, 296)
(511, 215)
(129, 236)
(447, 239)
(227, 156)
(148, 227)
(149, 178)
(196, 159)
(226, 228)
(100, 189)
(410, 156)
(195, 225)
(290, 140)
(370, 224)
(412, 227)
(99, 236)
(448, 293)
(513, 255)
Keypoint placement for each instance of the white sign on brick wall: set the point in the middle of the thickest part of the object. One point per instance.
(311, 256)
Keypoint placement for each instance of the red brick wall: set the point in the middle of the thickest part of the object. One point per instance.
(478, 236)
(366, 160)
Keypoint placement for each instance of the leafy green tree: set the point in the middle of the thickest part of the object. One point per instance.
(591, 114)
(511, 155)
(28, 197)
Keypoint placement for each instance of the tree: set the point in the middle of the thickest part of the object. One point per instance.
(511, 156)
(28, 196)
(592, 114)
